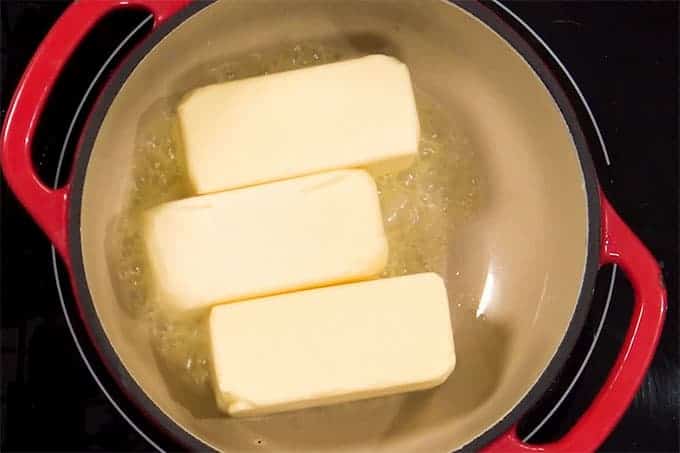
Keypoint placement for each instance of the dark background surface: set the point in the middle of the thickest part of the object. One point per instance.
(623, 55)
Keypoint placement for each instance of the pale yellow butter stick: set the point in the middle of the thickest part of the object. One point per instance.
(267, 239)
(330, 345)
(358, 113)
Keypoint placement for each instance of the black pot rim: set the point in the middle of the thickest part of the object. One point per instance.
(504, 24)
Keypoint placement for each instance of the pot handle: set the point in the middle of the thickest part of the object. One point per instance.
(47, 206)
(620, 246)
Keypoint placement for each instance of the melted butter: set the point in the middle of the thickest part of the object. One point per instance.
(422, 206)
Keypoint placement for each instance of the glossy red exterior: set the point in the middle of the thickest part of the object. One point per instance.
(48, 206)
(619, 246)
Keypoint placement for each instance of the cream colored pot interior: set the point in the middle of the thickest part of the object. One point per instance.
(515, 267)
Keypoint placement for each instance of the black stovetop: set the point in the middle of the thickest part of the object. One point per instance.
(623, 55)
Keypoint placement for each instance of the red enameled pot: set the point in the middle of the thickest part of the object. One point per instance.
(521, 269)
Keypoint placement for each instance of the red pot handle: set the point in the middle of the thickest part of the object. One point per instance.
(45, 205)
(619, 246)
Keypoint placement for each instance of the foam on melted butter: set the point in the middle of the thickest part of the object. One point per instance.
(422, 206)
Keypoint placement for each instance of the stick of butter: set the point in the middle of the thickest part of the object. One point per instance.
(288, 235)
(331, 345)
(358, 113)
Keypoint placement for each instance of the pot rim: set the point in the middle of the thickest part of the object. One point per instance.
(551, 73)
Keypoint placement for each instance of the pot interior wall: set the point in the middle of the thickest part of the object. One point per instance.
(515, 267)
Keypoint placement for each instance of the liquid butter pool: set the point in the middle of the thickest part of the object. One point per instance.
(422, 206)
